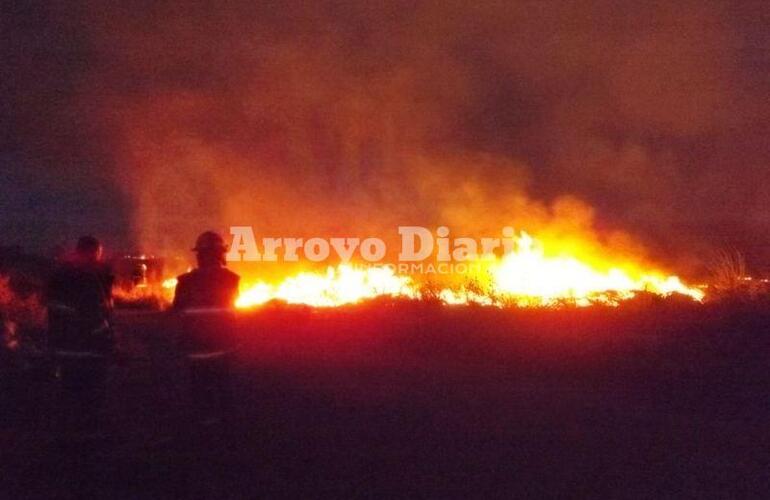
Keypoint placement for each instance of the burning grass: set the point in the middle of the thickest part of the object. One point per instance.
(22, 316)
(528, 276)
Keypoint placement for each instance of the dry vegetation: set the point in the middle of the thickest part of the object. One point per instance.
(656, 397)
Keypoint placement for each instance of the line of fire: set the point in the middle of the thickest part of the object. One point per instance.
(526, 276)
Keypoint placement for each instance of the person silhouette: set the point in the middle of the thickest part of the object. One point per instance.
(80, 332)
(204, 300)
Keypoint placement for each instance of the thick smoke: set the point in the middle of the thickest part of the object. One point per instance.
(351, 118)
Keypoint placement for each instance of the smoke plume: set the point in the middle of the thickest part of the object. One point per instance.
(631, 122)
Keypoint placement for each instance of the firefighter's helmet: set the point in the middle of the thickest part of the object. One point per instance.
(210, 242)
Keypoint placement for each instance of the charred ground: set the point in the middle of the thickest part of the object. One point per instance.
(655, 398)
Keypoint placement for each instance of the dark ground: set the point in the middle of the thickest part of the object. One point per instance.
(397, 400)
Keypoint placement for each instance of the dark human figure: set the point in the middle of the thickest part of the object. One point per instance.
(204, 299)
(80, 334)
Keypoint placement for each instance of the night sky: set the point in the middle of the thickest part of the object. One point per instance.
(144, 124)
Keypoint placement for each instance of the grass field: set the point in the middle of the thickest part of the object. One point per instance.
(653, 399)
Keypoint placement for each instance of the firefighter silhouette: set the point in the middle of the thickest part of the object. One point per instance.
(204, 299)
(80, 334)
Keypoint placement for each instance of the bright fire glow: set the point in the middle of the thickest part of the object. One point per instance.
(529, 277)
(525, 277)
(341, 285)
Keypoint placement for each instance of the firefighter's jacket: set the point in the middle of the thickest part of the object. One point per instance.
(204, 300)
(79, 301)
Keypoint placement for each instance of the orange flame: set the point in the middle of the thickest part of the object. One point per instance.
(525, 277)
(342, 285)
